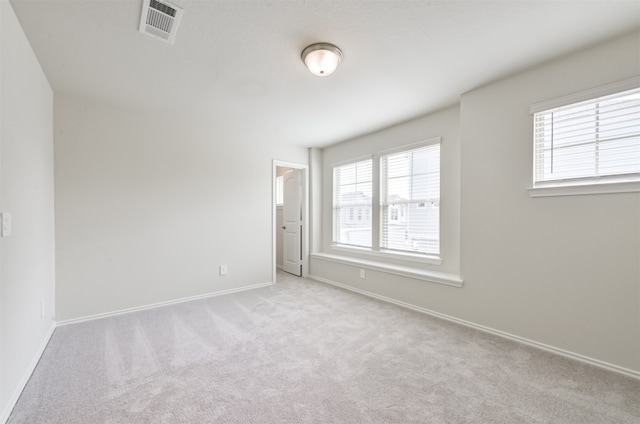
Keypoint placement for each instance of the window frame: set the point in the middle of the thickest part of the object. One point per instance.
(623, 183)
(375, 251)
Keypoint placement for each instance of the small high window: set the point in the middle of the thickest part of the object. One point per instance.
(588, 142)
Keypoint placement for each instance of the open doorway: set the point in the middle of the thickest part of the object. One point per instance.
(290, 219)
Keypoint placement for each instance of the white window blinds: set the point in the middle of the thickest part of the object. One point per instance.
(352, 193)
(410, 200)
(595, 140)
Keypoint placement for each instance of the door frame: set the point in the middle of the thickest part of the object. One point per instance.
(304, 233)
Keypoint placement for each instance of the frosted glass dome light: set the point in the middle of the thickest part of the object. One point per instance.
(322, 58)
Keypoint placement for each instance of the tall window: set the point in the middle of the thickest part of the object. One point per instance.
(591, 141)
(410, 200)
(352, 193)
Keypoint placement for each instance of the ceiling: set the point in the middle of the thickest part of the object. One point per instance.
(236, 64)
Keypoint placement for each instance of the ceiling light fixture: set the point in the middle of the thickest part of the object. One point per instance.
(322, 58)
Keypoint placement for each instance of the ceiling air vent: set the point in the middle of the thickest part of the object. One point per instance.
(160, 20)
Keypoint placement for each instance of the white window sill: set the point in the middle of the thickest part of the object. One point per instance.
(446, 279)
(404, 256)
(584, 189)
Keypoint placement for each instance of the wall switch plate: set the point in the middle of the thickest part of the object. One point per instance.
(362, 273)
(223, 270)
(6, 224)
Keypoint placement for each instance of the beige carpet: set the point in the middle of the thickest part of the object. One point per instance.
(305, 352)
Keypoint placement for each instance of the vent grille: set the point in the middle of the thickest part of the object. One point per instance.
(160, 20)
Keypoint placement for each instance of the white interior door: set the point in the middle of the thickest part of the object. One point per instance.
(291, 212)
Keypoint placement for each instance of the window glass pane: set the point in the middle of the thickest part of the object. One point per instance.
(347, 174)
(365, 188)
(573, 126)
(425, 234)
(621, 155)
(421, 159)
(398, 165)
(365, 171)
(398, 188)
(411, 200)
(420, 186)
(352, 203)
(596, 138)
(619, 117)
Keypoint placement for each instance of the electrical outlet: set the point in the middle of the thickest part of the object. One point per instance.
(362, 273)
(223, 270)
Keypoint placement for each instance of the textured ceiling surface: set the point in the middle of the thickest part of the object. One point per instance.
(236, 64)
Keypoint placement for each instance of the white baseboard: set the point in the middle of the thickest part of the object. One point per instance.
(27, 375)
(159, 304)
(533, 343)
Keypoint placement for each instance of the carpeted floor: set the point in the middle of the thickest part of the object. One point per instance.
(305, 352)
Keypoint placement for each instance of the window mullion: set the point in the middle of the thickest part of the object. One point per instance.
(552, 148)
(376, 203)
(597, 140)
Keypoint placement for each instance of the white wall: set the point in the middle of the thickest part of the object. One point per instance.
(315, 199)
(148, 208)
(27, 273)
(563, 272)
